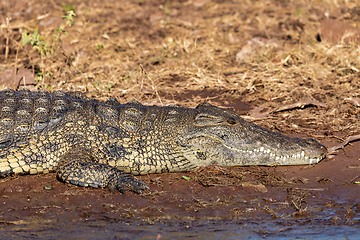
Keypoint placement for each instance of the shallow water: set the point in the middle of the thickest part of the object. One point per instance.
(35, 228)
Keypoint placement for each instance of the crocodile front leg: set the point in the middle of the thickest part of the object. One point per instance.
(78, 169)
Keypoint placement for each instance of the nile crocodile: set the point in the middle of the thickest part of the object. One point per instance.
(92, 143)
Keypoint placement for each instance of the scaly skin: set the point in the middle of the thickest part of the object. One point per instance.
(91, 143)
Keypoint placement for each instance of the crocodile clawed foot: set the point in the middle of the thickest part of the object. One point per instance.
(98, 175)
(126, 183)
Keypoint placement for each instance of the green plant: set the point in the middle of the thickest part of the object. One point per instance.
(68, 7)
(299, 11)
(187, 178)
(38, 42)
(47, 49)
(167, 10)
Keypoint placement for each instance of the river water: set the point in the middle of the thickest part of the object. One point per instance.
(35, 228)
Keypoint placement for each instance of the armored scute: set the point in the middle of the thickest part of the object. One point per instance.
(92, 143)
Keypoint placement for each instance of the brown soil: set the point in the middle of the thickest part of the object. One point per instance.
(290, 67)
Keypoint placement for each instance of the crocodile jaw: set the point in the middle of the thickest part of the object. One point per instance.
(271, 157)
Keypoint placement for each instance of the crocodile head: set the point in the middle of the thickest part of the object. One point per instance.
(221, 137)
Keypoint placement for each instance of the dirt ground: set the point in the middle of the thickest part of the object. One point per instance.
(289, 66)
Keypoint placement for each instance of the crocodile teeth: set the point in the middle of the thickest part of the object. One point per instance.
(277, 158)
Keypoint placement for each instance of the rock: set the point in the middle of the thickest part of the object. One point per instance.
(337, 32)
(23, 74)
(26, 77)
(254, 46)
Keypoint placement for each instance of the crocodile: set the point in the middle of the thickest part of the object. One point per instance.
(93, 143)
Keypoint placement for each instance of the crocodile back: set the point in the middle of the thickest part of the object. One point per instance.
(37, 129)
(29, 124)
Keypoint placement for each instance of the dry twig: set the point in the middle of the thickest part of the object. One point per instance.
(256, 112)
(7, 38)
(152, 85)
(343, 144)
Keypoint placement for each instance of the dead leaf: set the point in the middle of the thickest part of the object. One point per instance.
(259, 187)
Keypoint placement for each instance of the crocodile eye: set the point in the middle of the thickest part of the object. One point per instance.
(231, 121)
(204, 119)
